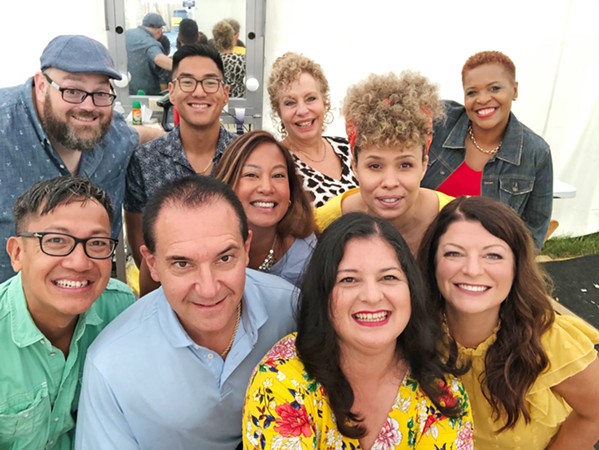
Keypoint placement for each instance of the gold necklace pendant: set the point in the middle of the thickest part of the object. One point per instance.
(488, 152)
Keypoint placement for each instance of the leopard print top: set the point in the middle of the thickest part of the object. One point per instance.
(234, 73)
(321, 187)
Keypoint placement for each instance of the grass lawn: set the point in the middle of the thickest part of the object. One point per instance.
(570, 247)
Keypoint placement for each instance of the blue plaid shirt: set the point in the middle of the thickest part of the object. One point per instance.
(162, 160)
(27, 156)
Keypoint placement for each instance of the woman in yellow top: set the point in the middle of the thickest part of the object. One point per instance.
(362, 371)
(389, 122)
(534, 380)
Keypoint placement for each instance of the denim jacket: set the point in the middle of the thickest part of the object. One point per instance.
(520, 174)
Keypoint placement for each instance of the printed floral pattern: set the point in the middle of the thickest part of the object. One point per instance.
(285, 409)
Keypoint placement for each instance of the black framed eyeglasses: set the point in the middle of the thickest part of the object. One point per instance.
(77, 96)
(62, 244)
(189, 84)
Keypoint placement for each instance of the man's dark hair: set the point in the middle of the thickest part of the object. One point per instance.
(188, 32)
(188, 193)
(44, 196)
(204, 50)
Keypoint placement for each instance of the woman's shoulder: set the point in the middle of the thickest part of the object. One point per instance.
(334, 208)
(570, 346)
(532, 141)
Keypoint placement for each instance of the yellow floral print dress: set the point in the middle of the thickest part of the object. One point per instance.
(286, 409)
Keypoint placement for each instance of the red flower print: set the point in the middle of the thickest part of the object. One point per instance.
(447, 398)
(293, 421)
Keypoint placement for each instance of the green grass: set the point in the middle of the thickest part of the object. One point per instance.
(570, 247)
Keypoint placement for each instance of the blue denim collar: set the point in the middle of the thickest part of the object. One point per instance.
(511, 148)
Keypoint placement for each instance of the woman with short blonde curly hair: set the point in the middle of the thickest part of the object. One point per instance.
(299, 97)
(389, 120)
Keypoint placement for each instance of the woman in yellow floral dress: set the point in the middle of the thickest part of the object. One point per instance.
(534, 377)
(362, 371)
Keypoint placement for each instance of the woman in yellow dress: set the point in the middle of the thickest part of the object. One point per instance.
(534, 377)
(389, 121)
(362, 372)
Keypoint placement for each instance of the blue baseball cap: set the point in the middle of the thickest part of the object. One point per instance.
(153, 20)
(78, 54)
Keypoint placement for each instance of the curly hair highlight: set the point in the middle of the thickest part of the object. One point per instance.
(390, 110)
(286, 69)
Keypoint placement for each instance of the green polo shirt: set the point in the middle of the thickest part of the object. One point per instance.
(39, 387)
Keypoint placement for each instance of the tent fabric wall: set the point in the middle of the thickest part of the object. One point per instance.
(554, 46)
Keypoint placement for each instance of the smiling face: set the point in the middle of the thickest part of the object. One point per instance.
(370, 301)
(263, 186)
(389, 179)
(58, 289)
(198, 109)
(201, 267)
(302, 108)
(489, 90)
(474, 270)
(75, 127)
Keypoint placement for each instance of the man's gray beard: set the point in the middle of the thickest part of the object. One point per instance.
(66, 136)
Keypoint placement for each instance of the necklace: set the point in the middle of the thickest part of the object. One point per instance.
(228, 349)
(206, 168)
(270, 259)
(324, 153)
(488, 152)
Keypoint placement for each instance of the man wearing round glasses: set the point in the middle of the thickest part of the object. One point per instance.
(199, 93)
(61, 122)
(52, 310)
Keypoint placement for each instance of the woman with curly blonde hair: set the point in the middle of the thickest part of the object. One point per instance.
(299, 97)
(389, 124)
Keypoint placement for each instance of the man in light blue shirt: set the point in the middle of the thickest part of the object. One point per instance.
(172, 371)
(52, 310)
(60, 122)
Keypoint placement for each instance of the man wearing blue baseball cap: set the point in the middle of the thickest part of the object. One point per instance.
(61, 122)
(145, 55)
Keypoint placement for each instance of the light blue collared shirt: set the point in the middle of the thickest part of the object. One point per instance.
(27, 156)
(147, 385)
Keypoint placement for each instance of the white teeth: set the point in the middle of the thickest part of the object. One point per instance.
(485, 111)
(69, 284)
(469, 287)
(389, 200)
(264, 204)
(371, 317)
(305, 124)
(197, 106)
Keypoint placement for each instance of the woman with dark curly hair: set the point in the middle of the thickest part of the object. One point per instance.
(482, 149)
(533, 381)
(389, 120)
(299, 98)
(363, 370)
(262, 174)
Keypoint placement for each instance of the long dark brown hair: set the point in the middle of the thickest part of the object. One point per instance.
(516, 358)
(317, 342)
